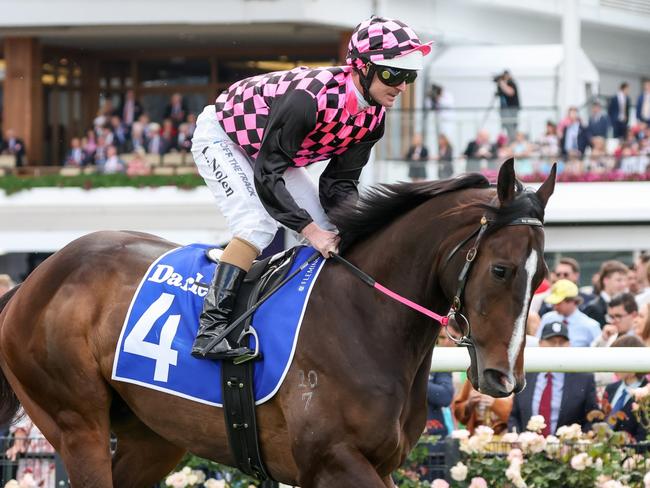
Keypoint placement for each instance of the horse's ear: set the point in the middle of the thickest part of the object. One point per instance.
(506, 182)
(546, 190)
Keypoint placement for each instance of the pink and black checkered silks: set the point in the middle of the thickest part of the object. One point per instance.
(244, 108)
(379, 38)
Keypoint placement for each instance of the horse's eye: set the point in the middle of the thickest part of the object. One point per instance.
(499, 272)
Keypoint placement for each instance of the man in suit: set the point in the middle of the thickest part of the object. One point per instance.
(619, 110)
(176, 109)
(620, 395)
(598, 125)
(13, 145)
(575, 136)
(643, 104)
(612, 281)
(130, 110)
(561, 398)
(622, 313)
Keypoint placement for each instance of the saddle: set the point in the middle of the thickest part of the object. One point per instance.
(237, 379)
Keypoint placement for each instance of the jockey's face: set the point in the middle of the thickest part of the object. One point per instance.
(383, 94)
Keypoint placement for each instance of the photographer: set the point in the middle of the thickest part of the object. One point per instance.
(508, 102)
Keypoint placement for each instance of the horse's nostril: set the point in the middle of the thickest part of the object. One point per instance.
(507, 384)
(500, 383)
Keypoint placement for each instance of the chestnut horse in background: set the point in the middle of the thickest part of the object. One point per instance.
(367, 357)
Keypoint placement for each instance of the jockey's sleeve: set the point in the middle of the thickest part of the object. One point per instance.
(341, 176)
(290, 119)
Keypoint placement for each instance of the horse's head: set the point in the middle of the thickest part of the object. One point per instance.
(495, 295)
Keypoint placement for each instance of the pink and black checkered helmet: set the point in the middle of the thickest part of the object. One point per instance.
(386, 42)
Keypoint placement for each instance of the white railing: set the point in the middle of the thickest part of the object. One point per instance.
(558, 359)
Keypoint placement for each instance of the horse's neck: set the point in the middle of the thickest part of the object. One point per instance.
(403, 257)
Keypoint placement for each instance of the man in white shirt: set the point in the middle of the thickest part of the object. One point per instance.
(622, 312)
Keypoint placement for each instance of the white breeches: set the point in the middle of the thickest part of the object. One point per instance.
(228, 173)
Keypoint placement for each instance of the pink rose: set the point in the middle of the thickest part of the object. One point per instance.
(478, 482)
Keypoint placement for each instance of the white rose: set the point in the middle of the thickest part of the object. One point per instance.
(213, 483)
(11, 484)
(646, 480)
(27, 481)
(514, 475)
(460, 434)
(176, 480)
(216, 483)
(536, 423)
(612, 484)
(515, 454)
(598, 464)
(581, 461)
(519, 482)
(200, 476)
(484, 432)
(629, 464)
(510, 437)
(569, 432)
(532, 442)
(459, 472)
(552, 444)
(473, 444)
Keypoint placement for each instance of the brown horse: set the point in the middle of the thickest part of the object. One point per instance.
(354, 401)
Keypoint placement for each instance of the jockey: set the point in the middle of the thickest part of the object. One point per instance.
(251, 147)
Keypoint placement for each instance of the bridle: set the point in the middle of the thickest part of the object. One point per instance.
(454, 313)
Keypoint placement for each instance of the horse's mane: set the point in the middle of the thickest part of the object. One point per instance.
(382, 204)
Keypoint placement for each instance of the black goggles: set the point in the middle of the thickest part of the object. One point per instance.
(395, 76)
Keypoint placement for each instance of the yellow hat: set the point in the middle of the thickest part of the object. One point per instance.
(561, 290)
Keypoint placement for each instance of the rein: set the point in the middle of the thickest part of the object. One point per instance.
(454, 314)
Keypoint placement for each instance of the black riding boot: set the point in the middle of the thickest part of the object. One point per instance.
(217, 307)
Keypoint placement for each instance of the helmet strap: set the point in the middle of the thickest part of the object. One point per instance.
(366, 81)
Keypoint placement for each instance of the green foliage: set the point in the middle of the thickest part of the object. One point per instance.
(412, 474)
(12, 184)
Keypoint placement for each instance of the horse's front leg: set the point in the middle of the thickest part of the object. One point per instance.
(341, 466)
(388, 481)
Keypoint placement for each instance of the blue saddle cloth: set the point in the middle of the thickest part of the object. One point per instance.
(156, 339)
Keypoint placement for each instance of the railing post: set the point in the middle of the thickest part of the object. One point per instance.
(452, 455)
(60, 475)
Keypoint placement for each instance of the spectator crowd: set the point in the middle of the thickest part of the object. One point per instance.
(120, 131)
(605, 144)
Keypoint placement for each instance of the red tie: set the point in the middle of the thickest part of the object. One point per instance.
(545, 404)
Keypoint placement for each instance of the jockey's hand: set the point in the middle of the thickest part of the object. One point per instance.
(322, 240)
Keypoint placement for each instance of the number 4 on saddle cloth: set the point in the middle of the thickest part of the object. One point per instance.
(156, 339)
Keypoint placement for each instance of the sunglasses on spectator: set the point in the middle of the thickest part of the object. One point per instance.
(395, 76)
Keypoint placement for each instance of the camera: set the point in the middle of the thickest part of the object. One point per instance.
(500, 76)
